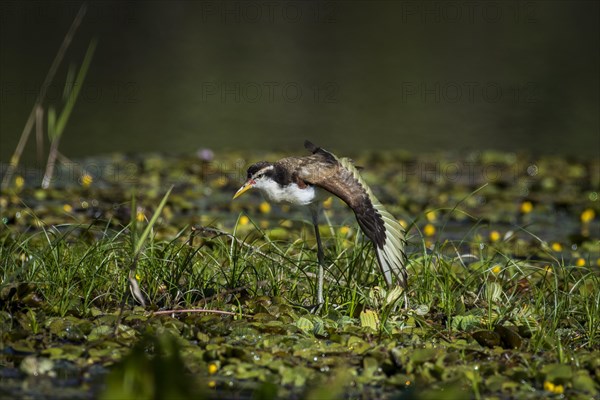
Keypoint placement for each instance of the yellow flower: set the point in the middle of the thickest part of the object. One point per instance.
(86, 180)
(212, 384)
(431, 216)
(429, 230)
(559, 389)
(551, 387)
(526, 207)
(580, 262)
(327, 203)
(496, 269)
(67, 208)
(403, 223)
(244, 220)
(494, 236)
(212, 368)
(556, 246)
(344, 230)
(598, 262)
(264, 207)
(138, 277)
(19, 182)
(587, 215)
(139, 215)
(221, 181)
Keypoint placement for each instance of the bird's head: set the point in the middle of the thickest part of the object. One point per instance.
(259, 176)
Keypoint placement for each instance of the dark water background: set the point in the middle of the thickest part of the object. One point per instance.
(419, 76)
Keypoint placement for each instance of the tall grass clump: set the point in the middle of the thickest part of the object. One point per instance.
(456, 287)
(68, 269)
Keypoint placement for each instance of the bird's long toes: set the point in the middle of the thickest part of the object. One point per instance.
(315, 308)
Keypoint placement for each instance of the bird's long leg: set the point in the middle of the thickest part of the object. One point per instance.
(314, 210)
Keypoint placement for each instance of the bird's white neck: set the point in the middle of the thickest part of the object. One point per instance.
(291, 193)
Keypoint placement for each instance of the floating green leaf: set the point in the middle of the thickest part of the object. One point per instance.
(369, 319)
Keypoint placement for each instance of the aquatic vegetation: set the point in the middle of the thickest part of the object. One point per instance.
(503, 295)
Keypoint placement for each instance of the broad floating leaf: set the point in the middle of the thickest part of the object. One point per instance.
(305, 325)
(487, 338)
(422, 309)
(420, 356)
(370, 319)
(556, 371)
(510, 338)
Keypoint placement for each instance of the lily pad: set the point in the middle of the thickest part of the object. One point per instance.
(369, 319)
(510, 338)
(487, 338)
(557, 372)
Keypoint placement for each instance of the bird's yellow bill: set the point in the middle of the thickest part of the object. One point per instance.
(247, 186)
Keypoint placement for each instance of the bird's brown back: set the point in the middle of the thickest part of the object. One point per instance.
(323, 169)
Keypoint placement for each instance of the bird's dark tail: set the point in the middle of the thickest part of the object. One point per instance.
(310, 146)
(313, 148)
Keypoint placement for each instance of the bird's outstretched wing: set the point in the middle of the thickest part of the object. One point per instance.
(339, 177)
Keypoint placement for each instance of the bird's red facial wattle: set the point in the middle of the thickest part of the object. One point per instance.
(245, 187)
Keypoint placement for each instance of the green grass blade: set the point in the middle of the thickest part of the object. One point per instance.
(51, 123)
(74, 93)
(144, 236)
